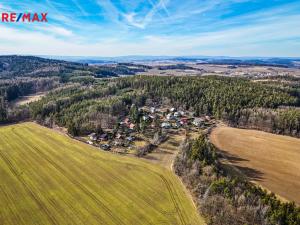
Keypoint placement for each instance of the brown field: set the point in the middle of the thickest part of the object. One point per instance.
(272, 161)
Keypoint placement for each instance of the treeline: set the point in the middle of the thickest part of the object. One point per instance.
(176, 67)
(234, 100)
(224, 198)
(280, 121)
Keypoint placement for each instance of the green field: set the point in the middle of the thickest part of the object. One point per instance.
(48, 178)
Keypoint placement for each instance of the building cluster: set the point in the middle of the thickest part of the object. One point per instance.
(151, 118)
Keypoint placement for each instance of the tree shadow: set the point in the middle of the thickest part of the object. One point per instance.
(230, 157)
(250, 173)
(235, 161)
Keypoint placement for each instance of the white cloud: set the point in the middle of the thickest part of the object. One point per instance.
(143, 21)
(255, 40)
(56, 30)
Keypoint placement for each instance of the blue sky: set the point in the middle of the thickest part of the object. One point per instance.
(155, 27)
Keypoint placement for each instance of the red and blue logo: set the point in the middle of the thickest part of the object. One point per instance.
(23, 17)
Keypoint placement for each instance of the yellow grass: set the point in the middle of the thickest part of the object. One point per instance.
(48, 178)
(273, 161)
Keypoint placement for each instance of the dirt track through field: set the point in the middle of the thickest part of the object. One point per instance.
(270, 160)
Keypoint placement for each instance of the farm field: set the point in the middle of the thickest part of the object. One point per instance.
(272, 161)
(48, 178)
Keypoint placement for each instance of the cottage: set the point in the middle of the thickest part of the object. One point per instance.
(152, 109)
(182, 113)
(170, 116)
(198, 122)
(131, 126)
(152, 116)
(146, 117)
(184, 121)
(103, 137)
(130, 138)
(119, 136)
(207, 118)
(126, 121)
(177, 114)
(176, 125)
(166, 125)
(93, 137)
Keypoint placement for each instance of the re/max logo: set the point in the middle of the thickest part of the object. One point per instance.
(23, 17)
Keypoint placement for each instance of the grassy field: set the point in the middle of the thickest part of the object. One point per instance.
(48, 178)
(273, 161)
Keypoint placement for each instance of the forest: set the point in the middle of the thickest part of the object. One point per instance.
(237, 101)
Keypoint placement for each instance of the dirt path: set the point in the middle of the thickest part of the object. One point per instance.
(166, 152)
(272, 161)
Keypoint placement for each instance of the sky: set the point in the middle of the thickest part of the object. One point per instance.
(154, 27)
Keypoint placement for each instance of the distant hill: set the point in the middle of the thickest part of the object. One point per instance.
(31, 66)
(262, 61)
(12, 66)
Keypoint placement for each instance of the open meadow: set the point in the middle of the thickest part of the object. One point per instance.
(49, 178)
(272, 161)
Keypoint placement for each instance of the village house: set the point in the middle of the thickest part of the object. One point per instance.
(177, 114)
(184, 121)
(182, 113)
(93, 137)
(126, 121)
(152, 109)
(207, 118)
(131, 126)
(130, 138)
(146, 117)
(170, 116)
(198, 122)
(176, 125)
(103, 137)
(152, 116)
(119, 136)
(166, 125)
